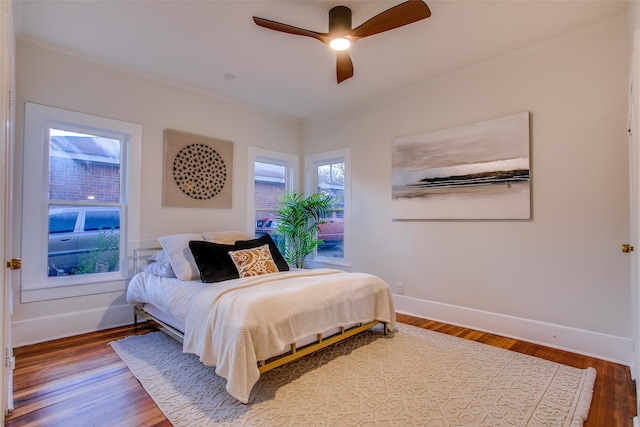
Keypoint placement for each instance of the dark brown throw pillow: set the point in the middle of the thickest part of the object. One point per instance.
(213, 261)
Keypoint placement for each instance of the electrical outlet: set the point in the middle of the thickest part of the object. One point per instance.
(400, 288)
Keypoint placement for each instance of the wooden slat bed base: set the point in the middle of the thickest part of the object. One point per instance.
(293, 354)
(264, 366)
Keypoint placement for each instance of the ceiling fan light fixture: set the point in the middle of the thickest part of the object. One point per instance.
(341, 32)
(340, 43)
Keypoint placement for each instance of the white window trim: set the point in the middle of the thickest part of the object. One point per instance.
(311, 182)
(35, 285)
(255, 154)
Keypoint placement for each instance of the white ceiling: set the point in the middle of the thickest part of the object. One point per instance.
(195, 43)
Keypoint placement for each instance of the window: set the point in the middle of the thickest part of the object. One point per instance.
(272, 174)
(269, 184)
(84, 185)
(75, 235)
(328, 173)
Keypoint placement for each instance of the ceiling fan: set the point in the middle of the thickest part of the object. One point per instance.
(341, 35)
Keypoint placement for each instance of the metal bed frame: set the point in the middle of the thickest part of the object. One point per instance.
(263, 365)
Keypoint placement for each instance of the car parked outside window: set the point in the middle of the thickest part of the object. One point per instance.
(83, 240)
(265, 226)
(331, 232)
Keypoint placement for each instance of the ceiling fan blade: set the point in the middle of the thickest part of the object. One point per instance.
(344, 66)
(403, 14)
(290, 29)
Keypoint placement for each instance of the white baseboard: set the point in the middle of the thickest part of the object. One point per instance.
(48, 328)
(588, 343)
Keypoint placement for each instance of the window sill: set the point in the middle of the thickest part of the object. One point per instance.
(320, 262)
(60, 292)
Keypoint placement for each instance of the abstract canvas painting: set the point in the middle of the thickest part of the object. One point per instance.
(475, 171)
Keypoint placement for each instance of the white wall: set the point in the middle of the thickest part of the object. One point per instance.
(633, 13)
(60, 80)
(562, 272)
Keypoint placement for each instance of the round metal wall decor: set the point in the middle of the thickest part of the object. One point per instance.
(199, 171)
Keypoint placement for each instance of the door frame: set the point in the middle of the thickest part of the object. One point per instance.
(7, 136)
(633, 127)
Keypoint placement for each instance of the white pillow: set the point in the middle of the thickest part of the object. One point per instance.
(225, 237)
(160, 265)
(176, 246)
(161, 257)
(160, 269)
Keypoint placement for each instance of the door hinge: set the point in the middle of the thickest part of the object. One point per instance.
(9, 359)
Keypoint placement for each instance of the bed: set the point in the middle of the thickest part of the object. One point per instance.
(245, 325)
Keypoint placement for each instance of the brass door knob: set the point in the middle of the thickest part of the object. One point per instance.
(626, 248)
(14, 264)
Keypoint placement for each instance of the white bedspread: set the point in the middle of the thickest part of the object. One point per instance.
(171, 295)
(233, 324)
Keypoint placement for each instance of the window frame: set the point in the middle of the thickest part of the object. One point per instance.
(290, 161)
(312, 162)
(35, 284)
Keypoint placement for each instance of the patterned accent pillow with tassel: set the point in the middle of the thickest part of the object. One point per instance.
(254, 262)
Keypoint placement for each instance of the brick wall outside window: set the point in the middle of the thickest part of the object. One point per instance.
(76, 180)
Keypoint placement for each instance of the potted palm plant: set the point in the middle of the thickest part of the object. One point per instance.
(298, 220)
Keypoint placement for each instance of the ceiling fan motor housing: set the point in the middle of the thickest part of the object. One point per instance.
(339, 21)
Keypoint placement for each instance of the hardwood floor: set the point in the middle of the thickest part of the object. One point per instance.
(80, 381)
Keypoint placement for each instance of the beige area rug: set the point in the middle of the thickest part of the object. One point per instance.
(414, 377)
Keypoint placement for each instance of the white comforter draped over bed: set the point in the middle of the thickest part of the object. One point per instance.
(233, 324)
